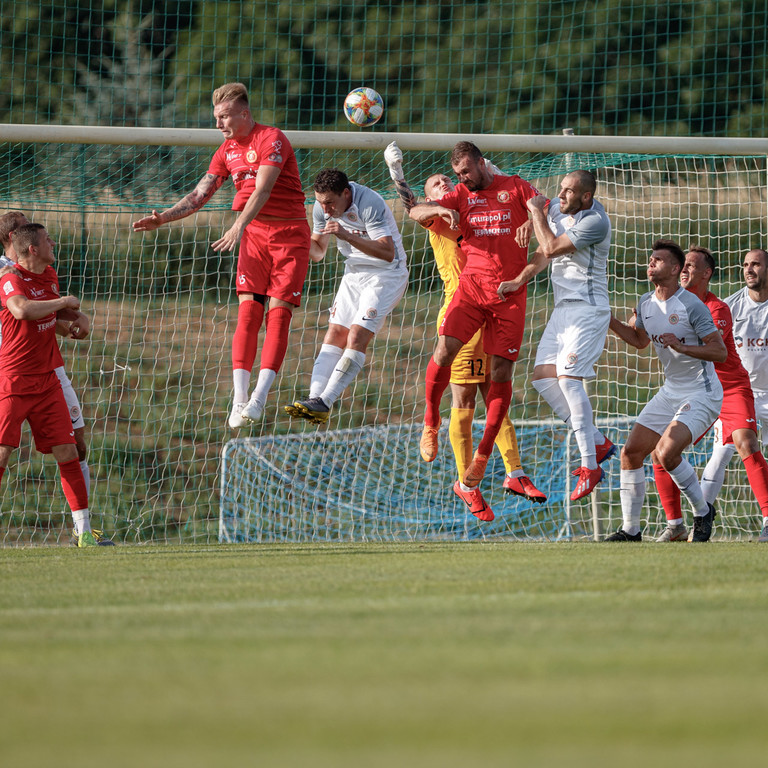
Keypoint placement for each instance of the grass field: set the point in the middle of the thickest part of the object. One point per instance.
(385, 655)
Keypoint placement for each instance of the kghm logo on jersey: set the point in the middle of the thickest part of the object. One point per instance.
(251, 156)
(503, 196)
(674, 319)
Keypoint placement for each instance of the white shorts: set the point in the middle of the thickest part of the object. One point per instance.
(366, 298)
(574, 339)
(73, 404)
(697, 409)
(761, 408)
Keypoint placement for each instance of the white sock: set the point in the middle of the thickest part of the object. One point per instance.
(713, 476)
(263, 385)
(464, 487)
(242, 381)
(82, 520)
(516, 473)
(86, 476)
(581, 419)
(688, 483)
(550, 390)
(325, 362)
(632, 494)
(348, 367)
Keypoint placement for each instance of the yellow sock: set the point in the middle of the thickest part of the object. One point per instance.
(506, 442)
(460, 435)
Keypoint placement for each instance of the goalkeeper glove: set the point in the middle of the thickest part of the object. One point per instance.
(393, 157)
(492, 168)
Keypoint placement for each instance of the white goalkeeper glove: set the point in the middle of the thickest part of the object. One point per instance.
(492, 168)
(393, 157)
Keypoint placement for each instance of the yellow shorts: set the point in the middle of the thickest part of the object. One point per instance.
(471, 364)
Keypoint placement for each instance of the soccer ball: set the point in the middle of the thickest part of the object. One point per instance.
(363, 107)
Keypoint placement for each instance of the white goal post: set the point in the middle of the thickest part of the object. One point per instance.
(154, 377)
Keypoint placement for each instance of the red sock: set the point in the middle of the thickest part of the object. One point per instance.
(245, 342)
(276, 339)
(73, 483)
(669, 493)
(2, 472)
(757, 474)
(497, 404)
(437, 380)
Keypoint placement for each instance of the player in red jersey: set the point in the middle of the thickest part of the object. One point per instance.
(273, 233)
(737, 415)
(487, 210)
(29, 387)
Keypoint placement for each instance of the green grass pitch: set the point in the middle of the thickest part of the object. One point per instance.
(499, 654)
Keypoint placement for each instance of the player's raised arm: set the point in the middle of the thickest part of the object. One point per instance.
(189, 204)
(393, 157)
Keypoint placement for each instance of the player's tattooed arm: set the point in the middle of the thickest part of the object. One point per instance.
(189, 204)
(405, 193)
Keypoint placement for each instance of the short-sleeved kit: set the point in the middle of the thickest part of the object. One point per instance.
(274, 250)
(489, 219)
(575, 334)
(29, 355)
(370, 288)
(691, 393)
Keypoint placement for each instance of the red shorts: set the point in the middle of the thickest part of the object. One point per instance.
(737, 412)
(476, 302)
(46, 412)
(273, 260)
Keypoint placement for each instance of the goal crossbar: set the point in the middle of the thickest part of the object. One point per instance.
(204, 137)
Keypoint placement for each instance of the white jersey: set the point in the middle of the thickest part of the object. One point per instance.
(4, 262)
(583, 275)
(688, 318)
(750, 332)
(369, 217)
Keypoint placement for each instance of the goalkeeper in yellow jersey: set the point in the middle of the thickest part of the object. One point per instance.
(469, 370)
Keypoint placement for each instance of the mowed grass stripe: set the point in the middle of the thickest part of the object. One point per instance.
(407, 654)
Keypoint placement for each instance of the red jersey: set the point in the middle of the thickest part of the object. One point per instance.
(731, 372)
(264, 145)
(489, 219)
(28, 347)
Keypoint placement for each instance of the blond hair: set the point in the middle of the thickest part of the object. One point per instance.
(230, 92)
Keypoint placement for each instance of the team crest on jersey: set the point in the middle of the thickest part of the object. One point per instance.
(275, 158)
(674, 319)
(371, 314)
(74, 413)
(352, 216)
(685, 407)
(503, 196)
(569, 221)
(251, 156)
(7, 287)
(55, 288)
(572, 358)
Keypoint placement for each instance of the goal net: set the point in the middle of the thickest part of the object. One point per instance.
(155, 381)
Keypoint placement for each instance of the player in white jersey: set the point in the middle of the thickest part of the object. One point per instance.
(749, 308)
(374, 281)
(687, 344)
(574, 235)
